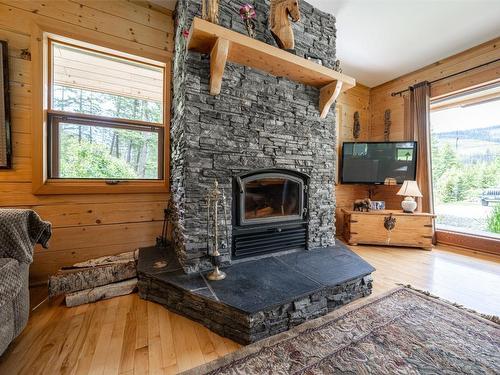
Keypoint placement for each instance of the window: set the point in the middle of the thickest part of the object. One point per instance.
(105, 117)
(465, 140)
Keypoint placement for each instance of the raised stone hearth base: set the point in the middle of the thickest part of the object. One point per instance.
(259, 298)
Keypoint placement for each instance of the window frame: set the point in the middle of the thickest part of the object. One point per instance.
(452, 237)
(55, 118)
(42, 113)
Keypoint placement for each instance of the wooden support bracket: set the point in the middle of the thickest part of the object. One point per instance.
(327, 95)
(218, 58)
(227, 45)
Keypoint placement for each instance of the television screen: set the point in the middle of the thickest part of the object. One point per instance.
(373, 162)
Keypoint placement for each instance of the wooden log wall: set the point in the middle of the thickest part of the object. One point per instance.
(85, 226)
(355, 99)
(381, 99)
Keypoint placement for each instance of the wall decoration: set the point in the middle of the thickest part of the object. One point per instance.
(356, 128)
(210, 10)
(26, 54)
(387, 125)
(5, 132)
(247, 14)
(280, 26)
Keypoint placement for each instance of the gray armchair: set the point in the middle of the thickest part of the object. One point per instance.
(20, 230)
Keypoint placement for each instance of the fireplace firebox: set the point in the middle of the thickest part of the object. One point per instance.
(269, 212)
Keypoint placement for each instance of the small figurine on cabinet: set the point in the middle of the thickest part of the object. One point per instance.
(280, 26)
(362, 205)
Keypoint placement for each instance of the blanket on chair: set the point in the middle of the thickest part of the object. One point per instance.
(20, 230)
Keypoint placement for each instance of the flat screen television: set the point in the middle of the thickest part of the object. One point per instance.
(373, 162)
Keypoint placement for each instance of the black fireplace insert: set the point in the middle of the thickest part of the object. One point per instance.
(269, 212)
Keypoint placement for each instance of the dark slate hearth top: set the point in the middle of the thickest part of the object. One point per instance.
(257, 285)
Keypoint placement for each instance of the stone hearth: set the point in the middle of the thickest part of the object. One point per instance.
(259, 298)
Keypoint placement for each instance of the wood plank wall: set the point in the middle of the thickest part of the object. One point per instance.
(381, 99)
(355, 99)
(85, 226)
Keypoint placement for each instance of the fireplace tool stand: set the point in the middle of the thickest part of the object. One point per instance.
(213, 198)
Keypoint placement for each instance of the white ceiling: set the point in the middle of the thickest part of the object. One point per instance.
(379, 40)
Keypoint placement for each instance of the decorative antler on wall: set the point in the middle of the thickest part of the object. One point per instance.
(281, 28)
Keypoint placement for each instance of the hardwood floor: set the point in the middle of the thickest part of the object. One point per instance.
(127, 335)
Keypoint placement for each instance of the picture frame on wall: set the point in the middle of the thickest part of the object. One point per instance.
(5, 127)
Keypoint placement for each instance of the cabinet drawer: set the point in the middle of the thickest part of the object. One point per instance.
(408, 230)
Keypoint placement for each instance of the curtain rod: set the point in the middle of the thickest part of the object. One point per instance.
(448, 76)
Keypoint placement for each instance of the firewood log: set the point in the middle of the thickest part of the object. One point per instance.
(119, 258)
(67, 281)
(102, 292)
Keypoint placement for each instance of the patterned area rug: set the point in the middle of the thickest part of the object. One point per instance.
(403, 332)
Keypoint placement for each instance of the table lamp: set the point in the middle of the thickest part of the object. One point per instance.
(410, 190)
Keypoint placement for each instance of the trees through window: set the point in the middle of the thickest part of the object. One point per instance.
(105, 117)
(466, 162)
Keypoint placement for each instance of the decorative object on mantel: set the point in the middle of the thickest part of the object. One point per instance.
(390, 181)
(356, 128)
(280, 26)
(210, 10)
(213, 197)
(5, 130)
(362, 205)
(247, 14)
(316, 59)
(400, 329)
(337, 67)
(410, 190)
(387, 125)
(226, 45)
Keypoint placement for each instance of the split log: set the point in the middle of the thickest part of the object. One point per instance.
(68, 281)
(102, 292)
(119, 258)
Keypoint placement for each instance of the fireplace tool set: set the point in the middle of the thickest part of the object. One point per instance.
(213, 197)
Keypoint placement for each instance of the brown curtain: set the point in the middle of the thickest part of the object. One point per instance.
(418, 128)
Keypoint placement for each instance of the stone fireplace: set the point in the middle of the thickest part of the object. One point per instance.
(263, 140)
(257, 122)
(270, 212)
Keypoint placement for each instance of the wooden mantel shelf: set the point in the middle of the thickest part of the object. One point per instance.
(227, 45)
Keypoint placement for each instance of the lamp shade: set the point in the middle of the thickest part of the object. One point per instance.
(410, 189)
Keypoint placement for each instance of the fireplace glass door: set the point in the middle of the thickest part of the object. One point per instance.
(271, 197)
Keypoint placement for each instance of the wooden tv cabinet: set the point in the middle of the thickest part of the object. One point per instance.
(414, 230)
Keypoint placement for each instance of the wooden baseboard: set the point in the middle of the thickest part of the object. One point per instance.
(469, 241)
